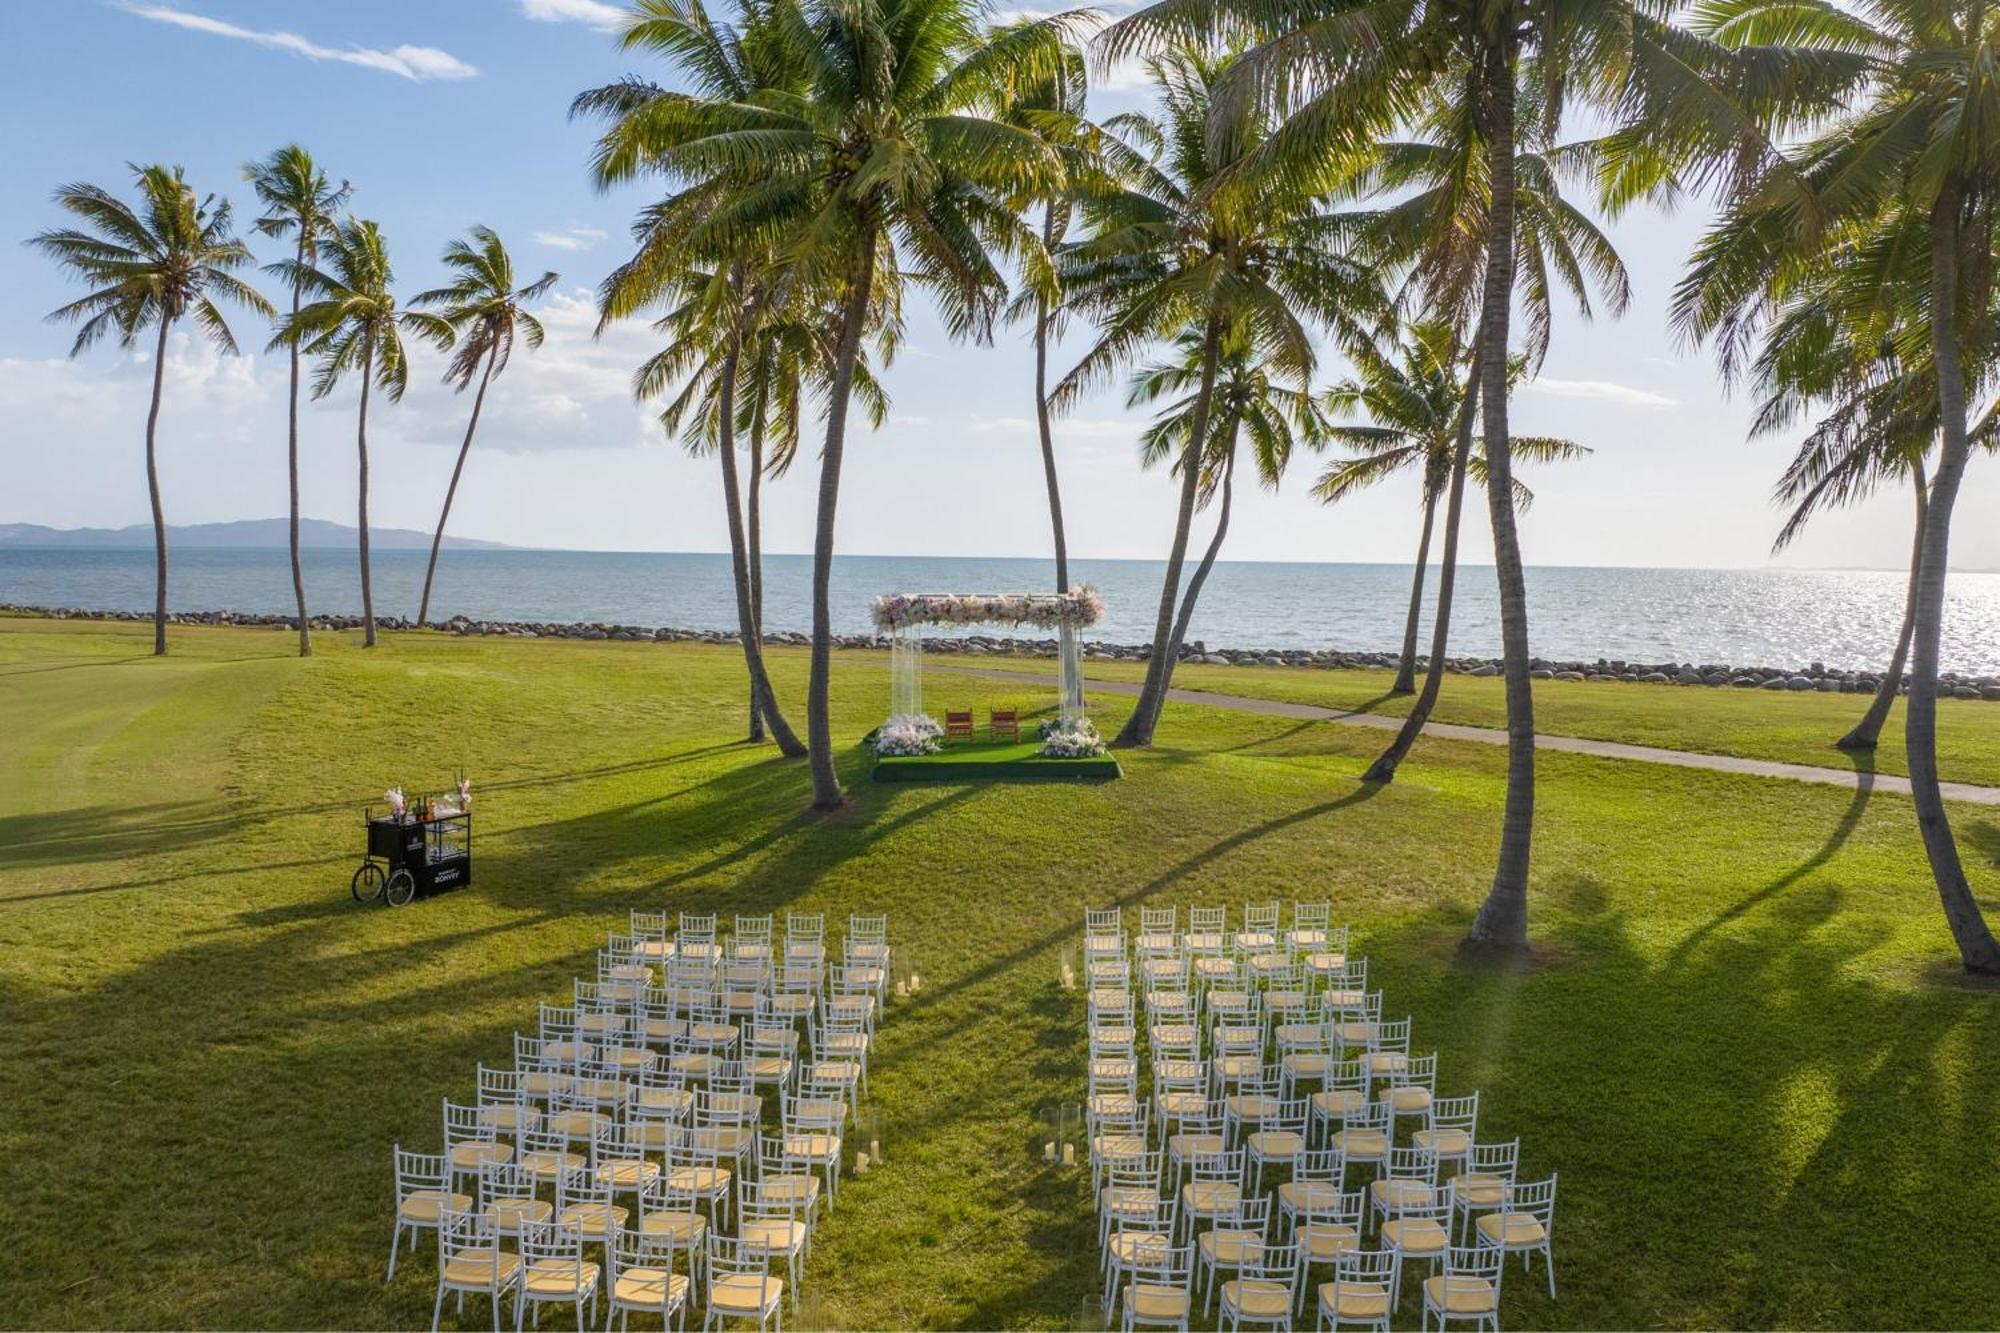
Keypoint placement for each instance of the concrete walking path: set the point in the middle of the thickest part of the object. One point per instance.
(1641, 754)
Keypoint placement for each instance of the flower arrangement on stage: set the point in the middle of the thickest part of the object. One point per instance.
(909, 734)
(1075, 739)
(1065, 610)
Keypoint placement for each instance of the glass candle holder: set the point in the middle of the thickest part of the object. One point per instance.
(868, 1136)
(1049, 1135)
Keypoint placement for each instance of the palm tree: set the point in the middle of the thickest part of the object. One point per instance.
(171, 257)
(1413, 403)
(1250, 397)
(352, 324)
(1907, 112)
(300, 202)
(883, 167)
(1185, 243)
(1051, 107)
(484, 309)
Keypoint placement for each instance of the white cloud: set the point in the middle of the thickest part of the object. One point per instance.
(594, 12)
(409, 62)
(574, 238)
(1601, 390)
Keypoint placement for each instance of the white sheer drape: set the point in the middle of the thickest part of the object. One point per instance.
(1071, 668)
(906, 672)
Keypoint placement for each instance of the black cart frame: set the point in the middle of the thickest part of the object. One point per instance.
(409, 856)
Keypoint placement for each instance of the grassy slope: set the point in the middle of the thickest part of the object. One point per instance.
(1760, 724)
(1769, 1101)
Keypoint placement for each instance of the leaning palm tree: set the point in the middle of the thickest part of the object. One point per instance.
(484, 310)
(883, 167)
(1188, 241)
(300, 202)
(352, 325)
(171, 257)
(1908, 124)
(1268, 401)
(1413, 402)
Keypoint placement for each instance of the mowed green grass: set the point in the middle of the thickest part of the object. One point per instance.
(1792, 728)
(1742, 1044)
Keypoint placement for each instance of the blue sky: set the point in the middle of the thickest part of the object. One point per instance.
(451, 112)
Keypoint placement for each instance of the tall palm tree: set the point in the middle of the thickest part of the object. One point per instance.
(882, 167)
(1908, 122)
(172, 256)
(300, 202)
(484, 310)
(1413, 399)
(1188, 242)
(1050, 106)
(1267, 401)
(352, 325)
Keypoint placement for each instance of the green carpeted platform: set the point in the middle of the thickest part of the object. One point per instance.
(983, 761)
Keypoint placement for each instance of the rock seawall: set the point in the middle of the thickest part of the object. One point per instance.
(1815, 676)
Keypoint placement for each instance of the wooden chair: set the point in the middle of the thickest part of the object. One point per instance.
(1004, 724)
(958, 726)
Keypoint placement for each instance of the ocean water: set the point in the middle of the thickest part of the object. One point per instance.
(1763, 617)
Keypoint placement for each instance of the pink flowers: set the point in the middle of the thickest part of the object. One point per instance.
(1072, 610)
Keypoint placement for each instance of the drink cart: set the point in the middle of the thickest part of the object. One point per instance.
(425, 849)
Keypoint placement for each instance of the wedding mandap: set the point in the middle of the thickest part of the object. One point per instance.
(914, 744)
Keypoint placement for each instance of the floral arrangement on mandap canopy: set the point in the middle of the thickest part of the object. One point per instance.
(1062, 610)
(908, 733)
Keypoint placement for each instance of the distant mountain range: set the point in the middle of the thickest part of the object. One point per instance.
(249, 532)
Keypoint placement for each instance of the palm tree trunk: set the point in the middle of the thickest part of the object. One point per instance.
(1138, 728)
(1502, 921)
(1042, 414)
(1868, 731)
(464, 448)
(819, 721)
(361, 445)
(754, 526)
(1406, 670)
(1977, 948)
(762, 699)
(1385, 765)
(1214, 545)
(292, 450)
(153, 490)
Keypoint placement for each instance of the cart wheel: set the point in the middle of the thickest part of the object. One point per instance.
(366, 886)
(402, 887)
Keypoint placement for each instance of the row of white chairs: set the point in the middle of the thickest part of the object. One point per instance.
(633, 1127)
(1265, 1056)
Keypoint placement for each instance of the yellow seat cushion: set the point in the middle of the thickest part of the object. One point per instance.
(779, 1234)
(1354, 1300)
(575, 1124)
(509, 1119)
(1362, 1144)
(1397, 1195)
(1208, 1197)
(654, 1288)
(546, 1165)
(422, 1206)
(1275, 1144)
(698, 1179)
(791, 1187)
(513, 1214)
(1148, 1301)
(1257, 1299)
(1443, 1142)
(674, 1228)
(1327, 961)
(559, 1277)
(663, 1101)
(1229, 1245)
(1182, 1103)
(1191, 1145)
(472, 1156)
(1409, 1100)
(1143, 1246)
(1479, 1189)
(595, 1220)
(480, 1268)
(1414, 1235)
(1460, 1295)
(629, 1173)
(1338, 1102)
(1299, 1195)
(817, 1147)
(1322, 1242)
(1388, 1062)
(1514, 1229)
(737, 1293)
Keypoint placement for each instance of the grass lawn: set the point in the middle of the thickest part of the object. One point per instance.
(1758, 724)
(1770, 1099)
